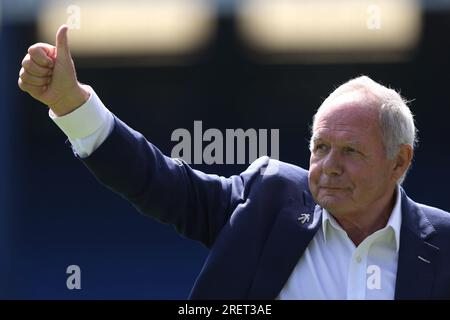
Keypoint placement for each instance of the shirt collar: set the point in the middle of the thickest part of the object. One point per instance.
(394, 222)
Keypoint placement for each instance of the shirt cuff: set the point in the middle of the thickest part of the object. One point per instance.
(83, 121)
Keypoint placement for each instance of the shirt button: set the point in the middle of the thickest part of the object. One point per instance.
(358, 259)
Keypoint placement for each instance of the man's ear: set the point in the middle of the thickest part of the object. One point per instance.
(402, 161)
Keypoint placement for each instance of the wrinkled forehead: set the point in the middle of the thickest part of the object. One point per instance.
(352, 109)
(348, 118)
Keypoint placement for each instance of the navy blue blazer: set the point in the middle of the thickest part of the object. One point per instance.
(250, 221)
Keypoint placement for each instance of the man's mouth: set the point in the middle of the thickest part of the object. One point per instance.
(331, 188)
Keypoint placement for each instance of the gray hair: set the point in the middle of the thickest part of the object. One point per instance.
(396, 119)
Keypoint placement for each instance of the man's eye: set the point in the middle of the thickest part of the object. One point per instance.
(350, 150)
(320, 147)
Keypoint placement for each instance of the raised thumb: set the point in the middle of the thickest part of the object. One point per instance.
(62, 43)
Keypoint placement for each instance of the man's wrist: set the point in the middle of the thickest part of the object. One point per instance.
(71, 101)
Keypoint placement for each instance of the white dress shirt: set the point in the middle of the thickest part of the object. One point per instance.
(86, 127)
(331, 266)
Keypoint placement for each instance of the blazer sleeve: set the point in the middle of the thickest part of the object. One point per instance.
(169, 190)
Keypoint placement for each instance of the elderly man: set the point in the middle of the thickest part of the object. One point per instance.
(345, 229)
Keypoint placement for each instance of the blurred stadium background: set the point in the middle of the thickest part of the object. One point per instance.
(159, 65)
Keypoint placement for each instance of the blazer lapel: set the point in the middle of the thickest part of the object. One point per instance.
(286, 243)
(417, 258)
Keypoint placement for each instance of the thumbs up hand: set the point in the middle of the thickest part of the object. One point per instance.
(48, 75)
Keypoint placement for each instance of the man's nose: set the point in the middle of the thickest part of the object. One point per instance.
(332, 163)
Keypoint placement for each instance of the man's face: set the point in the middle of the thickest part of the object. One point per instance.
(349, 171)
